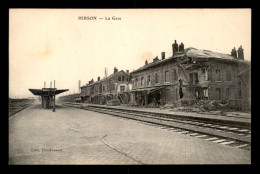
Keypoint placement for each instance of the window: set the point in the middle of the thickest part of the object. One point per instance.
(148, 80)
(218, 78)
(112, 86)
(104, 88)
(156, 78)
(142, 81)
(176, 94)
(218, 94)
(136, 81)
(175, 76)
(209, 72)
(123, 78)
(167, 76)
(196, 77)
(205, 73)
(239, 86)
(227, 93)
(228, 76)
(119, 78)
(193, 78)
(122, 88)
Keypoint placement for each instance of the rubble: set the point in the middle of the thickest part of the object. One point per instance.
(198, 106)
(170, 105)
(113, 102)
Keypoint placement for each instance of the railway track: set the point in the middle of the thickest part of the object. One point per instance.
(16, 109)
(225, 133)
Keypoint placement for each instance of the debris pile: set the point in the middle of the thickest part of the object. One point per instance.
(197, 106)
(171, 105)
(152, 105)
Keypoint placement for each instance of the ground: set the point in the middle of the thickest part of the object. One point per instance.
(75, 136)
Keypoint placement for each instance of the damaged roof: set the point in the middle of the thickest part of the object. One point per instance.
(194, 53)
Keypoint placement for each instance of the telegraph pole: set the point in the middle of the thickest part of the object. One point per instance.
(54, 98)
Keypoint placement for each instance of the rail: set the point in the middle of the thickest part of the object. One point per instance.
(239, 134)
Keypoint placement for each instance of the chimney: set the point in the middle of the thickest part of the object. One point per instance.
(234, 53)
(79, 85)
(115, 70)
(240, 53)
(155, 59)
(127, 72)
(146, 62)
(174, 48)
(163, 55)
(98, 78)
(105, 72)
(181, 47)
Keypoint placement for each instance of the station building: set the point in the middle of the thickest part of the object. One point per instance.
(115, 86)
(191, 74)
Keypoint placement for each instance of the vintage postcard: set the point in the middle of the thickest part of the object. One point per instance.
(129, 86)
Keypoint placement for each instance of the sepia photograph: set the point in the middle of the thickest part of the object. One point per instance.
(129, 86)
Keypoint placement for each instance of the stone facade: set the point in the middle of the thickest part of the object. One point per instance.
(115, 86)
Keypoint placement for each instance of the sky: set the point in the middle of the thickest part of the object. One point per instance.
(53, 44)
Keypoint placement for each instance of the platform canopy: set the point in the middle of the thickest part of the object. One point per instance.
(47, 91)
(150, 89)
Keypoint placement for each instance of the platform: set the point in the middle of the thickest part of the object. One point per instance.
(76, 136)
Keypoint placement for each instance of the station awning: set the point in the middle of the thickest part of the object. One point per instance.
(123, 92)
(155, 89)
(94, 95)
(47, 91)
(148, 89)
(84, 96)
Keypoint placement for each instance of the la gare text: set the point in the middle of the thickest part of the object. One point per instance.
(98, 18)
